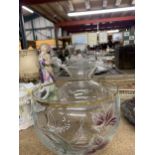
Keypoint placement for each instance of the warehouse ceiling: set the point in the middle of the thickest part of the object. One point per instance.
(26, 13)
(57, 10)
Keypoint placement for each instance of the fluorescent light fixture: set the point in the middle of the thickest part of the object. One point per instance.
(112, 31)
(85, 13)
(27, 9)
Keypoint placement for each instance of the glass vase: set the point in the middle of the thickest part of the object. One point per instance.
(78, 118)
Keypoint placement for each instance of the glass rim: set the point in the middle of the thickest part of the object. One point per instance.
(70, 103)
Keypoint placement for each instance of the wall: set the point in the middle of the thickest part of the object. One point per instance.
(103, 37)
(43, 29)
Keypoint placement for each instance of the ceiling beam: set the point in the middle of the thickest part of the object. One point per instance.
(118, 2)
(71, 7)
(87, 5)
(54, 14)
(94, 21)
(44, 13)
(101, 29)
(106, 26)
(31, 17)
(54, 11)
(35, 2)
(63, 7)
(41, 28)
(102, 25)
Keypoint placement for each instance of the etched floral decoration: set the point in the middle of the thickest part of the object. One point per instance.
(97, 144)
(104, 118)
(54, 125)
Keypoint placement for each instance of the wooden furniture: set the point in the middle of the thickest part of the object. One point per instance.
(125, 57)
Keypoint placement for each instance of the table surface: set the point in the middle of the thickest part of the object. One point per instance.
(123, 142)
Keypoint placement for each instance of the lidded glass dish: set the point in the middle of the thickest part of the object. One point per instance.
(78, 118)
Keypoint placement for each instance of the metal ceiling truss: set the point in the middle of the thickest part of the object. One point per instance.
(41, 28)
(94, 21)
(35, 2)
(106, 26)
(118, 2)
(105, 2)
(87, 4)
(31, 17)
(71, 7)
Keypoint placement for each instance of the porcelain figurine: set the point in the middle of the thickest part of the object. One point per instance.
(46, 70)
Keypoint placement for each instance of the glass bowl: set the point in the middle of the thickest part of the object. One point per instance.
(78, 118)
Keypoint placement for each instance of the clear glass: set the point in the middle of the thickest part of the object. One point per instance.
(78, 118)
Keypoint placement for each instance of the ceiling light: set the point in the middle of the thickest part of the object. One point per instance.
(27, 9)
(100, 11)
(112, 31)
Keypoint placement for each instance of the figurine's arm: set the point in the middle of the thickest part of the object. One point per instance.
(47, 60)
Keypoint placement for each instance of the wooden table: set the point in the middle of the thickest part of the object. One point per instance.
(123, 142)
